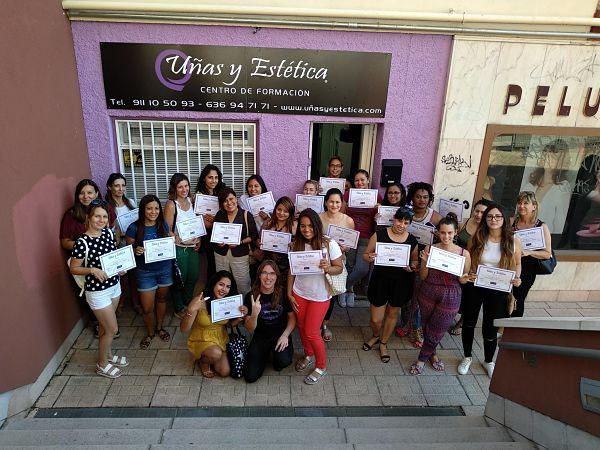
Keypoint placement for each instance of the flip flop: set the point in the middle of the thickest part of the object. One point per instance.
(327, 334)
(164, 335)
(438, 365)
(416, 369)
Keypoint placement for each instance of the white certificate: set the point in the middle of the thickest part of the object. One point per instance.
(330, 183)
(226, 308)
(226, 233)
(126, 219)
(118, 261)
(261, 203)
(159, 249)
(305, 263)
(447, 206)
(362, 198)
(206, 204)
(423, 233)
(343, 236)
(314, 202)
(191, 228)
(494, 278)
(275, 241)
(532, 238)
(445, 261)
(386, 215)
(396, 255)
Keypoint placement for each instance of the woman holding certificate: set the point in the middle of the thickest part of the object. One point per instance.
(153, 278)
(178, 209)
(234, 257)
(272, 321)
(255, 185)
(537, 244)
(444, 266)
(391, 285)
(101, 292)
(207, 340)
(495, 268)
(364, 222)
(309, 293)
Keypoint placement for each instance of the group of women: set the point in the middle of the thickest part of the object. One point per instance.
(275, 301)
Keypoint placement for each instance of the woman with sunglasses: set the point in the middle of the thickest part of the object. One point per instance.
(155, 278)
(527, 217)
(272, 321)
(390, 288)
(492, 245)
(101, 292)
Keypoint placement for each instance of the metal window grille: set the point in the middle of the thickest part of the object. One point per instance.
(150, 152)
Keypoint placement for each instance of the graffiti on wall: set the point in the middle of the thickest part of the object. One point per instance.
(456, 163)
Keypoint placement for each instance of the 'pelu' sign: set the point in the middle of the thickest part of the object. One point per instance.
(514, 93)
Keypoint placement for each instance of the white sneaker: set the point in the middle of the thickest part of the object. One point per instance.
(489, 368)
(463, 367)
(342, 300)
(350, 299)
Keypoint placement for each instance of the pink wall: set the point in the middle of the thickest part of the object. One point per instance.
(414, 108)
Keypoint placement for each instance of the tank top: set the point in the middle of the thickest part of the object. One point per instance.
(427, 218)
(491, 255)
(463, 237)
(528, 263)
(184, 215)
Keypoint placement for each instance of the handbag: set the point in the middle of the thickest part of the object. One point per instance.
(337, 283)
(80, 279)
(237, 350)
(546, 266)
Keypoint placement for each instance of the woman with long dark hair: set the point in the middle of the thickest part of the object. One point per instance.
(272, 321)
(309, 294)
(207, 340)
(492, 245)
(255, 185)
(155, 278)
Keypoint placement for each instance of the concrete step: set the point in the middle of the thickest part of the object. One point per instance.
(413, 422)
(424, 446)
(79, 437)
(447, 446)
(203, 423)
(76, 447)
(426, 435)
(112, 423)
(237, 436)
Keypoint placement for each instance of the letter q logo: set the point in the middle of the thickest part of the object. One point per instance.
(174, 84)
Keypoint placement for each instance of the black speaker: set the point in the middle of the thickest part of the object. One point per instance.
(391, 171)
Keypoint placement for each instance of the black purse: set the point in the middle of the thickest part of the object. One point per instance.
(546, 266)
(237, 350)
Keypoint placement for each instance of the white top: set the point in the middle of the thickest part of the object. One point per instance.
(554, 206)
(314, 286)
(243, 202)
(122, 210)
(184, 215)
(491, 255)
(427, 218)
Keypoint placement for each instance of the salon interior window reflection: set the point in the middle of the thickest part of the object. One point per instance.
(564, 173)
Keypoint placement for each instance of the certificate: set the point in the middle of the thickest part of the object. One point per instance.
(445, 261)
(395, 255)
(447, 206)
(226, 233)
(494, 278)
(118, 261)
(261, 203)
(226, 308)
(191, 228)
(532, 238)
(206, 204)
(362, 198)
(126, 219)
(330, 183)
(343, 236)
(275, 241)
(314, 202)
(423, 233)
(159, 249)
(305, 263)
(386, 215)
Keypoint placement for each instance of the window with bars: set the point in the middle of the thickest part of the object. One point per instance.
(150, 152)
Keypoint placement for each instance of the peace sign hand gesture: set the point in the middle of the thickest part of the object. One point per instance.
(256, 306)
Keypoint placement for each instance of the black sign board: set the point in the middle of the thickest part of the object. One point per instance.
(245, 79)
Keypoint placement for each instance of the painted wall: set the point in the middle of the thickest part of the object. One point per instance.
(480, 72)
(414, 108)
(43, 157)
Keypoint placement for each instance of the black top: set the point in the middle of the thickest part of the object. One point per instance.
(270, 320)
(97, 246)
(389, 271)
(241, 217)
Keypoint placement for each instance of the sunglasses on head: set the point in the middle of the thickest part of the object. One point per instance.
(406, 211)
(98, 201)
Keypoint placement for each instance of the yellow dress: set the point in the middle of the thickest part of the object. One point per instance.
(204, 333)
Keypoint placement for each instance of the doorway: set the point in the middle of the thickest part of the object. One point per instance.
(354, 143)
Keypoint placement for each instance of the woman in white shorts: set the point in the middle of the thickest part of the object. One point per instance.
(101, 292)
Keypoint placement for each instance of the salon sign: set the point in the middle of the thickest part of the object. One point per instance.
(245, 79)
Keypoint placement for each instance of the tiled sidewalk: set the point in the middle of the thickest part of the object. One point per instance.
(165, 374)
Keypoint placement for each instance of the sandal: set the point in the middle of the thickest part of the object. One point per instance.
(119, 361)
(164, 335)
(304, 363)
(326, 333)
(416, 369)
(145, 343)
(109, 371)
(418, 338)
(456, 329)
(368, 346)
(206, 371)
(437, 365)
(315, 376)
(385, 357)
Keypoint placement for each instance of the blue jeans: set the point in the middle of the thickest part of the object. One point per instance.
(150, 280)
(357, 267)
